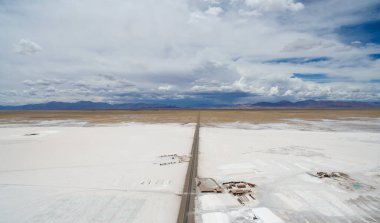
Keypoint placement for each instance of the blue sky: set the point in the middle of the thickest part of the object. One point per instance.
(189, 51)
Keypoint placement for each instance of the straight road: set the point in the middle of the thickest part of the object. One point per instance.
(186, 211)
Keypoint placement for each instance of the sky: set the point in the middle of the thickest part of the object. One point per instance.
(189, 51)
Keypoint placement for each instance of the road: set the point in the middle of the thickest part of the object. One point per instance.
(186, 211)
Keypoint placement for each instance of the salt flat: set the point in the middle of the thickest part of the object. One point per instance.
(92, 174)
(75, 171)
(282, 160)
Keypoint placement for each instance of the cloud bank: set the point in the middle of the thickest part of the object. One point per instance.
(135, 51)
(26, 47)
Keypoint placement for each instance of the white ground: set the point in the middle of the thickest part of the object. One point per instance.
(91, 174)
(110, 173)
(278, 160)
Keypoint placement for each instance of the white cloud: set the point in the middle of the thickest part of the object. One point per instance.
(274, 5)
(43, 82)
(317, 44)
(165, 88)
(302, 44)
(245, 12)
(273, 91)
(214, 11)
(214, 2)
(196, 16)
(26, 47)
(288, 93)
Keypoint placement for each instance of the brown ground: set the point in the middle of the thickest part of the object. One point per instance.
(185, 116)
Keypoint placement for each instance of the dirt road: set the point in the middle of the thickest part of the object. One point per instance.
(186, 211)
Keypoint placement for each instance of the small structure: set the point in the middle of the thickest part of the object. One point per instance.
(31, 134)
(170, 159)
(238, 187)
(209, 185)
(238, 191)
(344, 181)
(242, 190)
(332, 175)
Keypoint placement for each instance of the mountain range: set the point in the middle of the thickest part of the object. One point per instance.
(88, 105)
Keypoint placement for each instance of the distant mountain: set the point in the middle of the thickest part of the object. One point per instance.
(88, 105)
(83, 105)
(318, 104)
